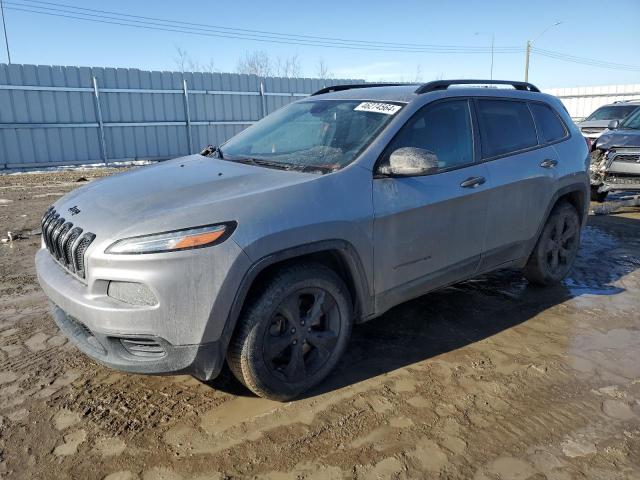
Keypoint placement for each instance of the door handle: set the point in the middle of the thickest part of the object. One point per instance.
(473, 182)
(548, 163)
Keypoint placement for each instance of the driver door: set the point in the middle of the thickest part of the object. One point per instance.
(429, 230)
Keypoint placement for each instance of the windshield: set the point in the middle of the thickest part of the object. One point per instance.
(611, 112)
(320, 134)
(632, 121)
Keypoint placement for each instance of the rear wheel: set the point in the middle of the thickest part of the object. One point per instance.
(293, 333)
(557, 246)
(597, 196)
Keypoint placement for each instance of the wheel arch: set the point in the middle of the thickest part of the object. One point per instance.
(576, 194)
(339, 255)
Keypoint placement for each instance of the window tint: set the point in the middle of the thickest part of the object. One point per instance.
(505, 126)
(550, 128)
(443, 129)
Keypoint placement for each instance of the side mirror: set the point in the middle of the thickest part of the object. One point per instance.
(613, 124)
(410, 161)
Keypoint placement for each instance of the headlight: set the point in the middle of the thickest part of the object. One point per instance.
(197, 237)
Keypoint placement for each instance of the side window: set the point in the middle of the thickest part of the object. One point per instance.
(549, 125)
(505, 126)
(443, 129)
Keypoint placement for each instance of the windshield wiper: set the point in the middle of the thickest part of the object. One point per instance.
(260, 162)
(282, 165)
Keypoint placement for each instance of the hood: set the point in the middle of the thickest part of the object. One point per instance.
(619, 138)
(179, 193)
(594, 124)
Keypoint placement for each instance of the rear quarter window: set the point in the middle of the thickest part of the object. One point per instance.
(506, 126)
(550, 127)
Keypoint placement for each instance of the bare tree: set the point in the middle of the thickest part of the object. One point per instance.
(288, 67)
(186, 63)
(181, 59)
(417, 78)
(322, 70)
(257, 62)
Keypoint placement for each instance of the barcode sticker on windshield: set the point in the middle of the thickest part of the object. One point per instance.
(386, 108)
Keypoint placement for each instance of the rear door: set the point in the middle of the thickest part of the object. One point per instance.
(522, 167)
(429, 230)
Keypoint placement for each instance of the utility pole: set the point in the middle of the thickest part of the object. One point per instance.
(526, 61)
(529, 45)
(4, 29)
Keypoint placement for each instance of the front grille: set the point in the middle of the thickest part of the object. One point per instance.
(592, 130)
(630, 155)
(65, 242)
(627, 158)
(622, 179)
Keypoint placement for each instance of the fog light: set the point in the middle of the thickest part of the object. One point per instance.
(132, 293)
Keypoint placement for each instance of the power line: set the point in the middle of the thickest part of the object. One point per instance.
(211, 31)
(584, 61)
(207, 30)
(284, 35)
(272, 34)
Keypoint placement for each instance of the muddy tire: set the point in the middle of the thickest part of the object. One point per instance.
(598, 196)
(292, 333)
(556, 248)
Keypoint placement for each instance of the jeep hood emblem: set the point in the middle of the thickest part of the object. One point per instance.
(74, 210)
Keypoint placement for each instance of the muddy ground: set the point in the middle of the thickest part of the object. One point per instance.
(489, 379)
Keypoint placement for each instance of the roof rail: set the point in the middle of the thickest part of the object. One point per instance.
(444, 84)
(339, 88)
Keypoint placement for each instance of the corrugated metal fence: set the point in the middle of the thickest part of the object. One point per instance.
(53, 115)
(582, 101)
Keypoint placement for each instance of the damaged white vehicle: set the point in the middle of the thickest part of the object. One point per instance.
(615, 159)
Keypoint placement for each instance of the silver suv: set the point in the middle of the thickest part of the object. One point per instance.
(265, 251)
(595, 124)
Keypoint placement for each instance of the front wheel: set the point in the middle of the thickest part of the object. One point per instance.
(292, 333)
(556, 248)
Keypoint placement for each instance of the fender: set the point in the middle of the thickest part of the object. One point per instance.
(363, 300)
(571, 188)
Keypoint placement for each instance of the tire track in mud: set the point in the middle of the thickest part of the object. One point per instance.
(121, 404)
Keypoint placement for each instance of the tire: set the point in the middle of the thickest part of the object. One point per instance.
(557, 246)
(597, 196)
(292, 333)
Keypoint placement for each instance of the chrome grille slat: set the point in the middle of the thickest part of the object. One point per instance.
(81, 248)
(55, 233)
(62, 234)
(46, 232)
(67, 254)
(65, 242)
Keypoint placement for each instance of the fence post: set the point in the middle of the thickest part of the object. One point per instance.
(103, 145)
(263, 100)
(187, 116)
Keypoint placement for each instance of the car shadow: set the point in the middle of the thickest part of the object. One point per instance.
(470, 311)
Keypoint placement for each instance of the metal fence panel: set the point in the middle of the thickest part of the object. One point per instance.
(51, 115)
(582, 101)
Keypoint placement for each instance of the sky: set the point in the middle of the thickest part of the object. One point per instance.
(593, 29)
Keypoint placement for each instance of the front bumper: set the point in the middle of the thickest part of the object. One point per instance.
(181, 333)
(617, 169)
(157, 356)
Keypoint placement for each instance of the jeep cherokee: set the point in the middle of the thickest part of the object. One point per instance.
(264, 252)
